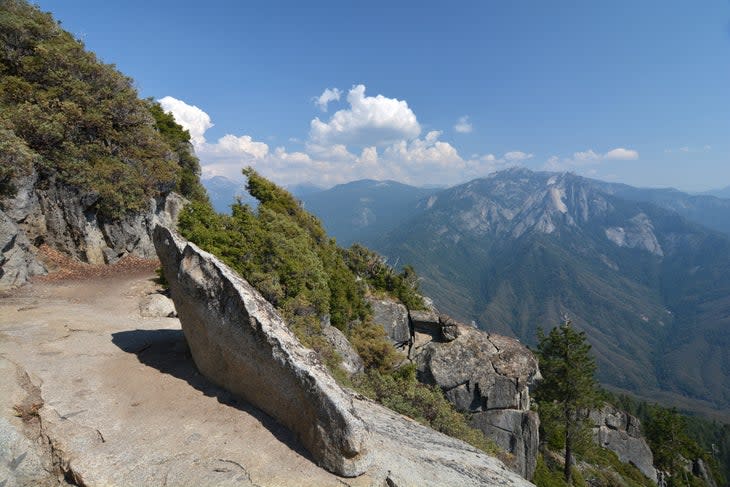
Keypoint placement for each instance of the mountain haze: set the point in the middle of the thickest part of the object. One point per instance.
(360, 210)
(712, 211)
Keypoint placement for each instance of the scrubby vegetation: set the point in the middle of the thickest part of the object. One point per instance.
(597, 467)
(80, 121)
(372, 267)
(400, 391)
(284, 252)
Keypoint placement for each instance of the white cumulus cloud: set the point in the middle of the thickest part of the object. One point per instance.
(589, 158)
(192, 118)
(376, 137)
(621, 154)
(231, 145)
(369, 121)
(463, 126)
(327, 96)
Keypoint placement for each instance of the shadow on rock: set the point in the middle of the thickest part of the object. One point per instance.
(167, 351)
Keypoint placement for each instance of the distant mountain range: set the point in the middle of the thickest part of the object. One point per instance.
(357, 211)
(636, 268)
(720, 193)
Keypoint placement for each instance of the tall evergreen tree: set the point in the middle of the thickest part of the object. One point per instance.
(568, 390)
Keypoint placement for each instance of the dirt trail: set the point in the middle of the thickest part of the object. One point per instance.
(122, 402)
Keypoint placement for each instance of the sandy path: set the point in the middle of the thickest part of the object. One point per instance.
(122, 401)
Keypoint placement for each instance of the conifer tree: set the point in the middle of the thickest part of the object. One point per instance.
(568, 390)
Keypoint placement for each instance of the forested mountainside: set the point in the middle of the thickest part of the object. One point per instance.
(519, 248)
(76, 120)
(710, 210)
(516, 250)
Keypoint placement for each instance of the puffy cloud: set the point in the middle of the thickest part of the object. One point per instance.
(370, 121)
(463, 126)
(395, 152)
(230, 145)
(327, 96)
(192, 118)
(516, 156)
(621, 154)
(589, 158)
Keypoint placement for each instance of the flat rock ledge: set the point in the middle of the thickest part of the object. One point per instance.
(240, 342)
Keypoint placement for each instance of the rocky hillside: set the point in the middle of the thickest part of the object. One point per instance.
(86, 167)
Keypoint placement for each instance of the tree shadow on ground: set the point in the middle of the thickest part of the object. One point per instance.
(167, 351)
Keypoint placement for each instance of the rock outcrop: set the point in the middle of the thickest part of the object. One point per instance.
(52, 213)
(620, 432)
(487, 376)
(351, 361)
(240, 342)
(393, 317)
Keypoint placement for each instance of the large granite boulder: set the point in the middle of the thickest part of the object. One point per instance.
(240, 342)
(393, 317)
(620, 432)
(487, 376)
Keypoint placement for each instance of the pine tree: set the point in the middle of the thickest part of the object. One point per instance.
(568, 390)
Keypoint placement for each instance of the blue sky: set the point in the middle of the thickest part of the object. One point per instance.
(432, 92)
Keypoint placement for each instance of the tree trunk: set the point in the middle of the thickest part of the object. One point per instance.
(567, 472)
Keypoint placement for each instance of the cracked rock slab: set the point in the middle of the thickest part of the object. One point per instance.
(488, 376)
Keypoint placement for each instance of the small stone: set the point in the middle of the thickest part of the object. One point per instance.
(157, 306)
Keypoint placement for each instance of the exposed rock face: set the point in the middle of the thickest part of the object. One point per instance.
(62, 217)
(621, 433)
(426, 321)
(240, 342)
(488, 376)
(449, 328)
(393, 317)
(639, 233)
(351, 361)
(700, 469)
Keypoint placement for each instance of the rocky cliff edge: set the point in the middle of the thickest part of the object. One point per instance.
(239, 341)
